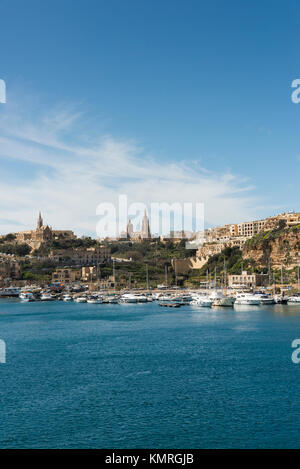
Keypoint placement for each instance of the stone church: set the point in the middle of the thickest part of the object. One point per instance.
(42, 234)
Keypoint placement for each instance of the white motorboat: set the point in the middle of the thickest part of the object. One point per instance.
(280, 299)
(80, 299)
(47, 297)
(247, 299)
(26, 296)
(219, 299)
(201, 301)
(113, 300)
(67, 298)
(164, 297)
(141, 298)
(265, 299)
(182, 298)
(94, 300)
(294, 299)
(128, 298)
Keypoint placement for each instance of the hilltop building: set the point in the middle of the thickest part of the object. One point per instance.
(145, 232)
(42, 233)
(235, 235)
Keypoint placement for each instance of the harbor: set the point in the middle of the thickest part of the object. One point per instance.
(169, 297)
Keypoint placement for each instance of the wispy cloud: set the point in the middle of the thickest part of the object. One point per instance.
(77, 171)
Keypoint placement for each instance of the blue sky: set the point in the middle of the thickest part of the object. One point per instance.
(162, 100)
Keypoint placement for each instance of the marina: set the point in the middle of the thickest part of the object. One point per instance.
(177, 298)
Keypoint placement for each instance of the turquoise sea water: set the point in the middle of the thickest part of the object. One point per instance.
(141, 376)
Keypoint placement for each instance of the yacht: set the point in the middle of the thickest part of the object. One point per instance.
(294, 299)
(201, 301)
(67, 297)
(133, 298)
(142, 298)
(182, 298)
(246, 299)
(94, 300)
(280, 299)
(128, 298)
(26, 296)
(265, 299)
(219, 299)
(45, 296)
(164, 297)
(112, 299)
(80, 299)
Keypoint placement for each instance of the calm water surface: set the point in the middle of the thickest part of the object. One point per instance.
(141, 376)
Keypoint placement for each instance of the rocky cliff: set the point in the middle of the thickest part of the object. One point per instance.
(281, 245)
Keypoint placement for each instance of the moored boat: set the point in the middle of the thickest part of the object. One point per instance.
(247, 299)
(219, 299)
(26, 296)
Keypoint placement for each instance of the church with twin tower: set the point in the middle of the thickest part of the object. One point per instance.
(145, 232)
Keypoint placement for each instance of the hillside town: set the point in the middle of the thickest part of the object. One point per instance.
(254, 253)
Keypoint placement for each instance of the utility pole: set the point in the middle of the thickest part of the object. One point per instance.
(130, 280)
(98, 274)
(114, 274)
(147, 276)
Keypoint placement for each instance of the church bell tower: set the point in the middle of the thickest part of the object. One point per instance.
(40, 221)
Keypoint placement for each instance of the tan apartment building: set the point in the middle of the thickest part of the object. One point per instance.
(82, 256)
(9, 268)
(251, 228)
(89, 273)
(66, 276)
(246, 280)
(291, 219)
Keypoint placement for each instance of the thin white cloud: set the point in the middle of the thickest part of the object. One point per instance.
(85, 172)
